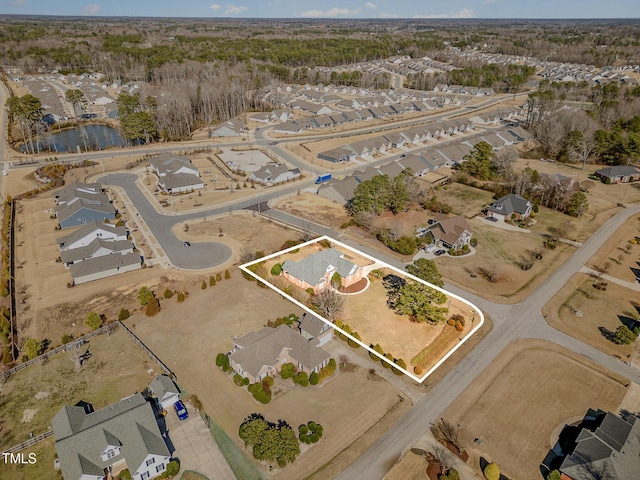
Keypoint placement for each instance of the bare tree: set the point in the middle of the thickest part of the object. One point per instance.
(448, 432)
(328, 303)
(441, 455)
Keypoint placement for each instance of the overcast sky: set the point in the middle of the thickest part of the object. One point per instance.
(331, 8)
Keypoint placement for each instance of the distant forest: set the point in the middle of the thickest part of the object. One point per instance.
(202, 72)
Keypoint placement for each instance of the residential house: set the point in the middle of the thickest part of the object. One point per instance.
(176, 174)
(232, 128)
(165, 391)
(340, 191)
(96, 445)
(91, 193)
(167, 164)
(391, 170)
(97, 248)
(180, 183)
(510, 206)
(453, 232)
(608, 446)
(104, 266)
(316, 270)
(272, 174)
(88, 233)
(416, 163)
(618, 174)
(81, 212)
(312, 327)
(260, 354)
(338, 155)
(262, 117)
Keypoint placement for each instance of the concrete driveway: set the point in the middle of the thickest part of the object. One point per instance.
(195, 447)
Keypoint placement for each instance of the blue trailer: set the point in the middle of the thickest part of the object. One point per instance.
(323, 178)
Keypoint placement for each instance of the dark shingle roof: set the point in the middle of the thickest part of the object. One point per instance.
(509, 204)
(313, 267)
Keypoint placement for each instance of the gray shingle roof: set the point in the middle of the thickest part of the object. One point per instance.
(618, 171)
(509, 204)
(258, 349)
(88, 229)
(162, 385)
(178, 180)
(103, 264)
(81, 438)
(65, 211)
(88, 251)
(312, 268)
(166, 163)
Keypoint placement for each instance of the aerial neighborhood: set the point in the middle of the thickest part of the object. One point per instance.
(401, 247)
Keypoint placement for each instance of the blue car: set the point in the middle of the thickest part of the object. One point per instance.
(181, 410)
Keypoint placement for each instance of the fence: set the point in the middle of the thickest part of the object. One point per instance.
(59, 349)
(152, 355)
(28, 443)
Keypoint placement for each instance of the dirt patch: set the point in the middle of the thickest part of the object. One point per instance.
(412, 466)
(511, 400)
(602, 313)
(28, 414)
(618, 257)
(41, 395)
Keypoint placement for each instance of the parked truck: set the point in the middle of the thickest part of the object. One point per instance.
(323, 178)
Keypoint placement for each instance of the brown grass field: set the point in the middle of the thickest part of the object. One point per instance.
(116, 369)
(188, 336)
(515, 404)
(600, 310)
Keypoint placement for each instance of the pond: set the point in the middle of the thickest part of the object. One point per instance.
(87, 138)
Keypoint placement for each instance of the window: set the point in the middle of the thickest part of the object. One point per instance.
(160, 468)
(151, 461)
(145, 475)
(112, 453)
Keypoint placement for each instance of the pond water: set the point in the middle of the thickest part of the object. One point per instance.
(88, 137)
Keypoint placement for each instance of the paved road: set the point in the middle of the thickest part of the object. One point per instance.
(523, 320)
(199, 255)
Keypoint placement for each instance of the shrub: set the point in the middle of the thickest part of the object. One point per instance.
(168, 293)
(303, 429)
(257, 390)
(222, 361)
(276, 270)
(310, 291)
(218, 276)
(212, 281)
(452, 474)
(353, 344)
(93, 320)
(196, 402)
(237, 380)
(268, 381)
(144, 296)
(314, 378)
(153, 307)
(227, 275)
(180, 297)
(400, 363)
(491, 472)
(301, 378)
(123, 315)
(124, 474)
(204, 285)
(325, 243)
(31, 348)
(173, 468)
(66, 338)
(288, 370)
(417, 370)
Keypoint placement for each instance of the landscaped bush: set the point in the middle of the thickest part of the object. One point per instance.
(204, 285)
(400, 363)
(238, 380)
(173, 468)
(378, 348)
(153, 307)
(310, 433)
(124, 475)
(276, 269)
(212, 281)
(257, 390)
(491, 472)
(168, 293)
(288, 370)
(66, 338)
(314, 378)
(218, 276)
(123, 315)
(301, 378)
(181, 297)
(327, 371)
(227, 275)
(452, 474)
(222, 361)
(389, 357)
(325, 243)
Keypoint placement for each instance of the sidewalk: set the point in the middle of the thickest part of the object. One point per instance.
(631, 285)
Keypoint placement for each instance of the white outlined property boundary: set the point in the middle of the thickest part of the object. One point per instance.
(245, 269)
